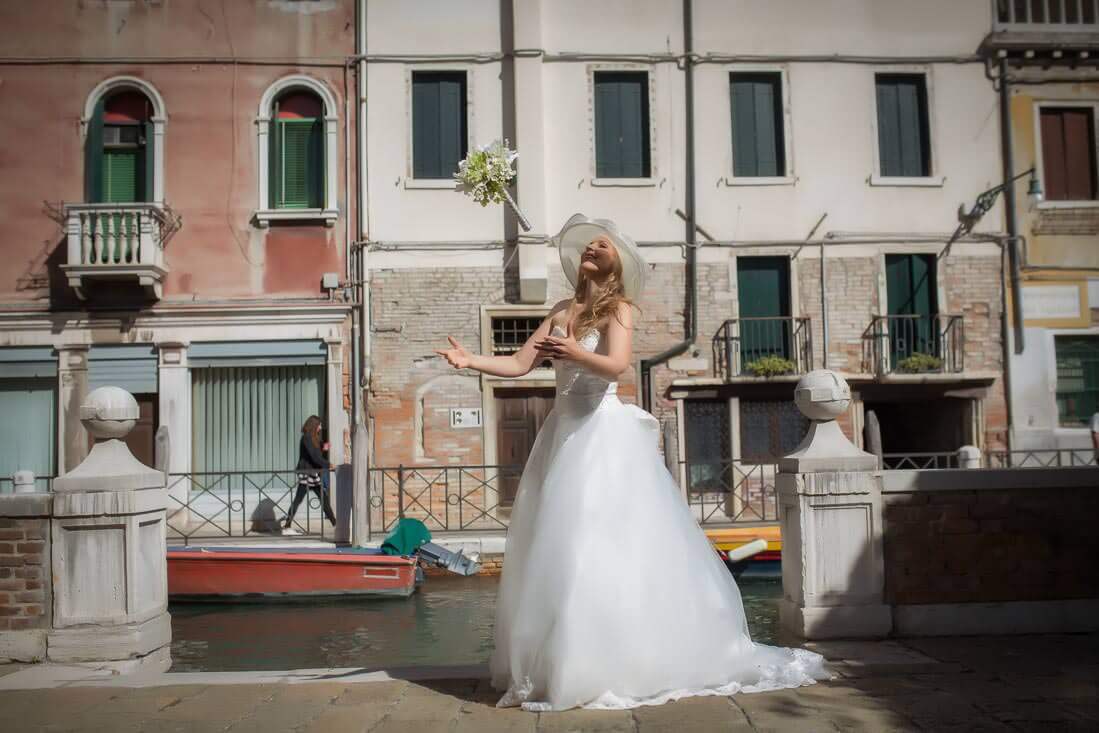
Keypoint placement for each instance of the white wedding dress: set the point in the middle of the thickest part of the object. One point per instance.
(611, 595)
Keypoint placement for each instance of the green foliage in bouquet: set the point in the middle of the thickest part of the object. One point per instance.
(485, 173)
(770, 366)
(918, 362)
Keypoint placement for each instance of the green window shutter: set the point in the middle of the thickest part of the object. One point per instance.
(911, 291)
(274, 164)
(622, 125)
(759, 147)
(120, 176)
(150, 162)
(763, 292)
(439, 131)
(301, 147)
(903, 125)
(93, 156)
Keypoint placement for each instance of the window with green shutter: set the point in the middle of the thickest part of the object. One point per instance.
(439, 125)
(118, 156)
(759, 146)
(297, 152)
(904, 139)
(1077, 379)
(622, 124)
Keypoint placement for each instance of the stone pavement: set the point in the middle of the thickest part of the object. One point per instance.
(1047, 683)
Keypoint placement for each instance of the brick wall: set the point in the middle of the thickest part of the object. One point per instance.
(1078, 222)
(991, 545)
(24, 562)
(851, 287)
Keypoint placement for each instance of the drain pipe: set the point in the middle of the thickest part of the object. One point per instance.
(1012, 246)
(690, 276)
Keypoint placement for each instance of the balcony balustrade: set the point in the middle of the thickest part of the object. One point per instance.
(913, 344)
(116, 242)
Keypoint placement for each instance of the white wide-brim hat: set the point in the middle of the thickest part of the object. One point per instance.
(578, 233)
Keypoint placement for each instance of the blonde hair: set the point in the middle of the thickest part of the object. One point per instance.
(604, 300)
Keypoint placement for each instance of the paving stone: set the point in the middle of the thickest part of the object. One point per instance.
(780, 710)
(220, 703)
(420, 708)
(479, 717)
(150, 700)
(586, 721)
(371, 693)
(345, 719)
(692, 715)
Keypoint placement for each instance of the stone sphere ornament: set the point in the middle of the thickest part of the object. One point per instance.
(109, 412)
(822, 395)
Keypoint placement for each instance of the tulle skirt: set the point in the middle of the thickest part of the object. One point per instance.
(611, 595)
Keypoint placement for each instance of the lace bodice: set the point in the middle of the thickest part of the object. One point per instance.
(578, 388)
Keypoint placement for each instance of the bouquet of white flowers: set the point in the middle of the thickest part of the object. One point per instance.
(484, 176)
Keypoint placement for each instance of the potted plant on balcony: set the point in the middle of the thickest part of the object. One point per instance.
(772, 365)
(919, 363)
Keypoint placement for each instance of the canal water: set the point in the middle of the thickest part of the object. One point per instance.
(447, 621)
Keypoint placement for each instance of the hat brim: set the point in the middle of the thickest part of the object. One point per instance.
(578, 233)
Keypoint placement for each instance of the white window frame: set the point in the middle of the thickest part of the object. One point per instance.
(410, 181)
(1039, 161)
(264, 215)
(653, 179)
(159, 120)
(936, 179)
(790, 177)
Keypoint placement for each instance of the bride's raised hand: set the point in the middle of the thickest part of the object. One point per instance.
(457, 355)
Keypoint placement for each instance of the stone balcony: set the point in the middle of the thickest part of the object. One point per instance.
(110, 243)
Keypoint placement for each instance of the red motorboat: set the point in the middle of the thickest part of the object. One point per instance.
(263, 574)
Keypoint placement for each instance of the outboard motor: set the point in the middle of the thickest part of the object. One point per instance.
(456, 562)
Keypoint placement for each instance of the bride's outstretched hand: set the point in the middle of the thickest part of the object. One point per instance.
(457, 355)
(560, 347)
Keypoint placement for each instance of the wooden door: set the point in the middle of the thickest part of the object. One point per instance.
(763, 296)
(519, 416)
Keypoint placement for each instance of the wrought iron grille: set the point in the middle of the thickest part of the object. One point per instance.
(741, 343)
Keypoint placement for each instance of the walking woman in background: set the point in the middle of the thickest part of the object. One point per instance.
(311, 464)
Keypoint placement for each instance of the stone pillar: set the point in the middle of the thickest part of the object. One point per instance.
(340, 484)
(72, 388)
(174, 393)
(110, 579)
(829, 495)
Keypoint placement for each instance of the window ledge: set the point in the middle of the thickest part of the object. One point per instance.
(760, 180)
(265, 217)
(908, 182)
(437, 183)
(1068, 205)
(625, 182)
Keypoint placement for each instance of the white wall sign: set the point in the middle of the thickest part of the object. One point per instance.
(466, 417)
(1051, 301)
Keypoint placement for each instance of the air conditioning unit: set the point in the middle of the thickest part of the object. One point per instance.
(123, 135)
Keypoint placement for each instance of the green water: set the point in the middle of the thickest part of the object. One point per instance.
(447, 621)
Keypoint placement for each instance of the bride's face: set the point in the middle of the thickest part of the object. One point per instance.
(599, 258)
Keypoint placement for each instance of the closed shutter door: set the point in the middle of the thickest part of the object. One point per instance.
(27, 430)
(758, 146)
(763, 296)
(439, 137)
(120, 176)
(250, 418)
(903, 126)
(622, 125)
(911, 291)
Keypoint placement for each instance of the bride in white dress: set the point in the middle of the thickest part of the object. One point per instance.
(611, 595)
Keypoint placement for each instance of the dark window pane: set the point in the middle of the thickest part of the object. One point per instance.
(622, 124)
(1077, 378)
(706, 423)
(770, 430)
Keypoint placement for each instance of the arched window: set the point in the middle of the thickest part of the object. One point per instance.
(123, 143)
(296, 172)
(297, 152)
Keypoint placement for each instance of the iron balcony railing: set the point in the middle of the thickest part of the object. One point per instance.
(217, 504)
(1051, 458)
(1061, 16)
(116, 241)
(764, 346)
(912, 344)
